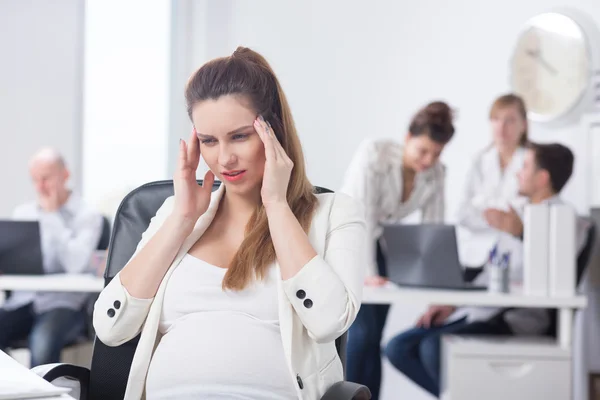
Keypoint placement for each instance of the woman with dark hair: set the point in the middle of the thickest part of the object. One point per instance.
(492, 186)
(240, 293)
(392, 180)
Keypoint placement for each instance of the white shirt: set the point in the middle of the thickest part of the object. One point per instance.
(315, 306)
(374, 177)
(487, 186)
(69, 237)
(234, 333)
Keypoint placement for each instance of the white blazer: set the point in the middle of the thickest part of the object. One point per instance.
(487, 186)
(332, 280)
(374, 177)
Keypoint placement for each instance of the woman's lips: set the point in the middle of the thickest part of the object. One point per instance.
(233, 176)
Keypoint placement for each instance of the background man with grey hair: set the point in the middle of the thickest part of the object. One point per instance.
(70, 232)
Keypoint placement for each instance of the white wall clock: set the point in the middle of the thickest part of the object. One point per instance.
(552, 65)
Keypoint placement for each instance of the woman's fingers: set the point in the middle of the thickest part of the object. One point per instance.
(260, 128)
(193, 151)
(209, 180)
(182, 160)
(278, 148)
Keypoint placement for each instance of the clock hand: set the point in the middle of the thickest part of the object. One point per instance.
(536, 54)
(547, 65)
(533, 53)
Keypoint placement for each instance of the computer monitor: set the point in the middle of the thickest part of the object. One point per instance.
(424, 255)
(20, 248)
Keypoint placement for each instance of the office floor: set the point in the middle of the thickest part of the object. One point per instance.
(80, 354)
(394, 384)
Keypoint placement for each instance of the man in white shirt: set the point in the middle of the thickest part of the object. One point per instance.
(416, 353)
(70, 232)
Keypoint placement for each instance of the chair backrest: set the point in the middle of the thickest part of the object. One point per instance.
(105, 235)
(111, 365)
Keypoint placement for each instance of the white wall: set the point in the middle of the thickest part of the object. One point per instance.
(354, 70)
(41, 53)
(126, 103)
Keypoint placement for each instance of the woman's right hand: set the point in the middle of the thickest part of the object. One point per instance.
(191, 199)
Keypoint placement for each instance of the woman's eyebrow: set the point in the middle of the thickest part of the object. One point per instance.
(237, 130)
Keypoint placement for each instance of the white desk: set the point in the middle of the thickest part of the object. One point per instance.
(392, 294)
(53, 283)
(389, 294)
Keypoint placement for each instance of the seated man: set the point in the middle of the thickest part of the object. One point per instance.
(416, 353)
(70, 232)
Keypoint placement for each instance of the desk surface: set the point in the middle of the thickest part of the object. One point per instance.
(53, 283)
(392, 294)
(389, 294)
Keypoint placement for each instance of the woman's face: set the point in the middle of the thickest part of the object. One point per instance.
(421, 152)
(508, 127)
(229, 143)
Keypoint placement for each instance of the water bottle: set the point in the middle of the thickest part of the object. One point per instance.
(499, 274)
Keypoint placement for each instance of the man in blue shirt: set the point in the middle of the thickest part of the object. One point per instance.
(70, 232)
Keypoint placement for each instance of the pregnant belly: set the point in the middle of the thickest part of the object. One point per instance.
(212, 354)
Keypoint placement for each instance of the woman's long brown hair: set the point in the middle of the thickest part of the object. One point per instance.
(247, 74)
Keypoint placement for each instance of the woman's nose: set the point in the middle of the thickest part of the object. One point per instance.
(226, 157)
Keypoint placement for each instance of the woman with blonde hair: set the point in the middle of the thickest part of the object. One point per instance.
(492, 183)
(239, 294)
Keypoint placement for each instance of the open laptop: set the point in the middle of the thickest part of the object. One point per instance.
(424, 256)
(20, 248)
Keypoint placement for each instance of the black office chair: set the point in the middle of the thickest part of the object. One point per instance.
(103, 244)
(107, 378)
(105, 236)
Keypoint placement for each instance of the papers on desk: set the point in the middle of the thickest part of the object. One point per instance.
(18, 382)
(562, 251)
(18, 391)
(549, 266)
(535, 249)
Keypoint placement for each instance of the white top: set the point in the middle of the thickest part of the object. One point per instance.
(218, 344)
(374, 177)
(69, 237)
(487, 186)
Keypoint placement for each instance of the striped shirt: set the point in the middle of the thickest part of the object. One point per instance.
(374, 177)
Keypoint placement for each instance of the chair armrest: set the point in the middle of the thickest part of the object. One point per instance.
(63, 375)
(347, 391)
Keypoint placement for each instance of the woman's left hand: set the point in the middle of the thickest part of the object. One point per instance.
(278, 166)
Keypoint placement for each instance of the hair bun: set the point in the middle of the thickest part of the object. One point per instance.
(440, 114)
(246, 54)
(435, 120)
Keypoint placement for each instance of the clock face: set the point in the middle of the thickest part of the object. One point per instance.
(550, 67)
